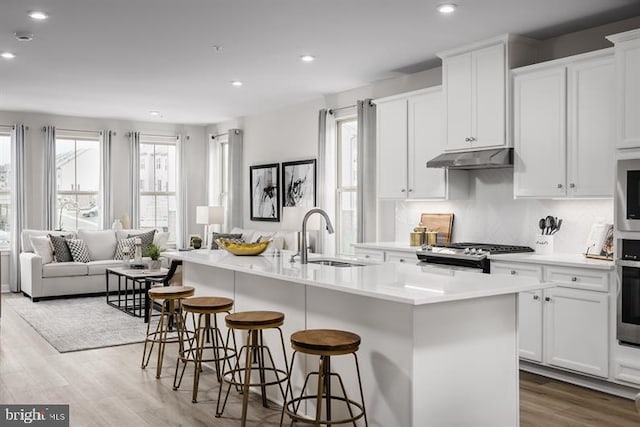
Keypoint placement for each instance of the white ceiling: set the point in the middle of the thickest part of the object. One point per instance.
(123, 58)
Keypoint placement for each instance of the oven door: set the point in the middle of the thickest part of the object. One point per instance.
(629, 302)
(628, 195)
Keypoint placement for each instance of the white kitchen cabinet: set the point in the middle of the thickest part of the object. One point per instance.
(564, 128)
(373, 255)
(576, 330)
(627, 63)
(476, 85)
(409, 133)
(401, 257)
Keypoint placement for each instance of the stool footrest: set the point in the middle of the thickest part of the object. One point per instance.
(292, 413)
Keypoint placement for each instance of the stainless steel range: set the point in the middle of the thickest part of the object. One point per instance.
(466, 256)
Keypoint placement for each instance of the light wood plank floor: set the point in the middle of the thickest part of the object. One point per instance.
(106, 387)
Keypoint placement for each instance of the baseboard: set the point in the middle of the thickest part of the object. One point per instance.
(4, 288)
(580, 380)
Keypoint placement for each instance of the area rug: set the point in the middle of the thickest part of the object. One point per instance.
(76, 324)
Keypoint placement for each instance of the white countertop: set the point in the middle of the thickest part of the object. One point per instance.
(409, 284)
(561, 259)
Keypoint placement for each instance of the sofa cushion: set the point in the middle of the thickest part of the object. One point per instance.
(101, 244)
(60, 269)
(100, 267)
(161, 239)
(61, 251)
(125, 244)
(26, 243)
(78, 249)
(146, 238)
(42, 246)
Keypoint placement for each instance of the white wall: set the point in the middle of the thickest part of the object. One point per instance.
(194, 175)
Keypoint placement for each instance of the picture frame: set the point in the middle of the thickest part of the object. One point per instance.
(264, 192)
(299, 183)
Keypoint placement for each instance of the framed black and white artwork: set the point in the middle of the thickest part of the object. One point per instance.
(299, 183)
(265, 192)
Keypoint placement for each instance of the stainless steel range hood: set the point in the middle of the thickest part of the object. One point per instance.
(484, 159)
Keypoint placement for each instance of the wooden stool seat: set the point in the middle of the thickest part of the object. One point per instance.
(328, 342)
(207, 305)
(171, 292)
(255, 320)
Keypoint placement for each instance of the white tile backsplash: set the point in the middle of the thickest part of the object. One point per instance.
(492, 215)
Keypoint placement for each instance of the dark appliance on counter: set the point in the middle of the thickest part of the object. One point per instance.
(628, 195)
(465, 256)
(628, 271)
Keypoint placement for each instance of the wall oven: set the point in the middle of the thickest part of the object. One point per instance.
(628, 271)
(628, 195)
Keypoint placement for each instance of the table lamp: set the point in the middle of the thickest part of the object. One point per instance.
(292, 217)
(207, 215)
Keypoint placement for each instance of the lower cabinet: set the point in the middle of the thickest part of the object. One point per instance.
(373, 255)
(562, 327)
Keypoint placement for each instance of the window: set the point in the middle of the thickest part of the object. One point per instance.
(5, 188)
(78, 181)
(347, 181)
(158, 178)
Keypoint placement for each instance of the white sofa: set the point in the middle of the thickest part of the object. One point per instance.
(54, 279)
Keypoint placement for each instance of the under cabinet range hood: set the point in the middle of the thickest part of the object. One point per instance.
(484, 159)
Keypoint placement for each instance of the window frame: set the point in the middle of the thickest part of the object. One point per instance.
(340, 189)
(5, 131)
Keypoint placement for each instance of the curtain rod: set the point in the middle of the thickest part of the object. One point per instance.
(73, 130)
(331, 110)
(235, 131)
(157, 136)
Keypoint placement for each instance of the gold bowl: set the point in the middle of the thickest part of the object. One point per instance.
(242, 248)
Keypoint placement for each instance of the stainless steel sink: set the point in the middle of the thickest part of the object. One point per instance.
(335, 263)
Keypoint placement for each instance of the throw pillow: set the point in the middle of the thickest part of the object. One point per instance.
(42, 246)
(161, 240)
(215, 236)
(60, 249)
(147, 239)
(122, 244)
(79, 250)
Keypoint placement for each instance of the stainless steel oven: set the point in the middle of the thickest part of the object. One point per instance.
(628, 271)
(628, 195)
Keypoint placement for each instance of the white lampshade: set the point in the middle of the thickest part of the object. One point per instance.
(292, 218)
(209, 215)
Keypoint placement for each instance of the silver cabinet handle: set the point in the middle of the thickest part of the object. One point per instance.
(574, 279)
(536, 297)
(410, 190)
(403, 190)
(467, 139)
(401, 259)
(471, 139)
(547, 299)
(559, 185)
(513, 272)
(572, 185)
(367, 256)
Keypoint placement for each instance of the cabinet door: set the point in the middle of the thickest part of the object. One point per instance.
(488, 98)
(576, 330)
(591, 132)
(426, 141)
(392, 148)
(401, 257)
(628, 66)
(530, 325)
(373, 255)
(539, 125)
(457, 81)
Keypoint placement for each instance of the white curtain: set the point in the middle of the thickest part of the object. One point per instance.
(366, 193)
(49, 175)
(134, 178)
(18, 211)
(236, 190)
(105, 178)
(182, 238)
(326, 184)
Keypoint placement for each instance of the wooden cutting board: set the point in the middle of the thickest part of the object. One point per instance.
(442, 223)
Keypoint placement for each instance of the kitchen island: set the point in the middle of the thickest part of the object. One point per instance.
(438, 348)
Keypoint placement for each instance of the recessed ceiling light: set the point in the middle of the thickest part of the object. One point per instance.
(8, 55)
(307, 58)
(236, 83)
(216, 47)
(154, 113)
(23, 36)
(447, 8)
(38, 15)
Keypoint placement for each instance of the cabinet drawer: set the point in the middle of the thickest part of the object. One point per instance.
(516, 269)
(579, 278)
(401, 257)
(369, 255)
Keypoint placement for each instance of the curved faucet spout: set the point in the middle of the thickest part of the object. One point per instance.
(303, 249)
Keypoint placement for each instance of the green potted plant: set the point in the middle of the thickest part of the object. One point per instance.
(153, 252)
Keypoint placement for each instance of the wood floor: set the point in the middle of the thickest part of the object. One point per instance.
(106, 387)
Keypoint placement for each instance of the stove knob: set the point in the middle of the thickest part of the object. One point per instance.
(467, 250)
(479, 251)
(473, 250)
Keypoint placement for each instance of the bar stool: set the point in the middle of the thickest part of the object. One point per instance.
(324, 343)
(207, 309)
(254, 322)
(169, 298)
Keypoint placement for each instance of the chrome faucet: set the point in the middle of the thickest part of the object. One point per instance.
(303, 249)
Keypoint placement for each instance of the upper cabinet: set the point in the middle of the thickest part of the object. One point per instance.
(476, 84)
(564, 127)
(409, 133)
(627, 57)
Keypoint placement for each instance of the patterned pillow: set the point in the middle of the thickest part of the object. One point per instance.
(122, 244)
(147, 239)
(61, 251)
(79, 250)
